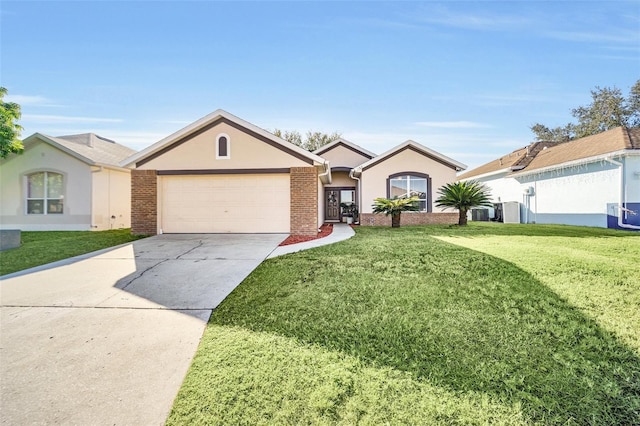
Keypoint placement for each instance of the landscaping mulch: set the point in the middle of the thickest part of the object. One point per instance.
(325, 230)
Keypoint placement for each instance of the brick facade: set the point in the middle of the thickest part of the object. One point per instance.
(144, 202)
(410, 218)
(304, 201)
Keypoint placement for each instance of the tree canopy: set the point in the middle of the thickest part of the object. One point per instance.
(609, 109)
(312, 140)
(9, 127)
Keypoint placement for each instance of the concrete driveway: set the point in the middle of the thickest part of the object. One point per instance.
(108, 338)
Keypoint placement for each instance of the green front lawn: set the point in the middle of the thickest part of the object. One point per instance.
(39, 248)
(489, 324)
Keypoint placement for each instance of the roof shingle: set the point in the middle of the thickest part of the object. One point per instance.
(95, 148)
(539, 155)
(603, 143)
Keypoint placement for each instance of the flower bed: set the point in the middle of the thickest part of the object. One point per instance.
(325, 230)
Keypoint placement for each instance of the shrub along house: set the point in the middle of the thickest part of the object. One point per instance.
(224, 174)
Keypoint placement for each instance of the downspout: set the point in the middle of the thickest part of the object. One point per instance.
(100, 170)
(621, 209)
(535, 201)
(326, 172)
(358, 200)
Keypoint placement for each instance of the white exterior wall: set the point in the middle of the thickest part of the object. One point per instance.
(111, 197)
(632, 179)
(581, 195)
(77, 190)
(575, 196)
(503, 188)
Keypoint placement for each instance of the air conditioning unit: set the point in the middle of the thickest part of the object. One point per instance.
(511, 212)
(480, 215)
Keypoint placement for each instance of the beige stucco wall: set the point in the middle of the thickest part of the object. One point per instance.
(246, 152)
(339, 156)
(339, 179)
(374, 180)
(41, 156)
(111, 197)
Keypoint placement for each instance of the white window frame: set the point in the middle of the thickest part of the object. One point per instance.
(223, 157)
(45, 196)
(408, 176)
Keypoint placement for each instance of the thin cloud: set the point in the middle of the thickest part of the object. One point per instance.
(625, 37)
(484, 22)
(30, 100)
(54, 119)
(453, 124)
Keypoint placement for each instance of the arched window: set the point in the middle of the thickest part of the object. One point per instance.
(45, 193)
(223, 146)
(409, 184)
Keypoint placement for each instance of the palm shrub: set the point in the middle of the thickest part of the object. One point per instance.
(463, 195)
(394, 207)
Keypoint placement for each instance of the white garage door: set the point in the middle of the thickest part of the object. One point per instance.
(225, 203)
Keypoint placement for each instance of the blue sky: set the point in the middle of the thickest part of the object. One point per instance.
(464, 78)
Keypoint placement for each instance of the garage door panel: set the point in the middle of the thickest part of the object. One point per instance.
(227, 203)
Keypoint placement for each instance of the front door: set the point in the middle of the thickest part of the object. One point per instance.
(336, 201)
(332, 202)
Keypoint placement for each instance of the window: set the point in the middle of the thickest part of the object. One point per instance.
(409, 185)
(223, 146)
(45, 193)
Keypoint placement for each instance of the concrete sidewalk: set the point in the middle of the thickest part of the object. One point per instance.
(107, 338)
(341, 232)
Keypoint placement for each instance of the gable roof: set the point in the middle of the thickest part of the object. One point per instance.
(416, 147)
(345, 143)
(548, 155)
(207, 122)
(89, 148)
(583, 149)
(515, 160)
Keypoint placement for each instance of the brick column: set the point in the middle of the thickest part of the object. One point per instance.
(304, 201)
(144, 202)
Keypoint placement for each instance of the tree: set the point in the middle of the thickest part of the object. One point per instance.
(633, 103)
(9, 128)
(312, 141)
(463, 195)
(395, 207)
(609, 109)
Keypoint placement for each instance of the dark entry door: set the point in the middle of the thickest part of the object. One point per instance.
(332, 203)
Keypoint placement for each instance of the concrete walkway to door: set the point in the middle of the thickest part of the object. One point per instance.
(107, 338)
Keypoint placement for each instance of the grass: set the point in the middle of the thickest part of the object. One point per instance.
(489, 324)
(39, 248)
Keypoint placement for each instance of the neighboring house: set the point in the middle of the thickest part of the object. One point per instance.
(592, 181)
(66, 183)
(223, 174)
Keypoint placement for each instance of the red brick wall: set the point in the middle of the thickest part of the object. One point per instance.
(410, 218)
(144, 202)
(304, 201)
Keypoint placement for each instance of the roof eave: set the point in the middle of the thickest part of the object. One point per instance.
(196, 125)
(586, 160)
(51, 141)
(488, 174)
(330, 146)
(455, 164)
